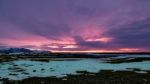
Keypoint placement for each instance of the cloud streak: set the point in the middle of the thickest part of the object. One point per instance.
(75, 24)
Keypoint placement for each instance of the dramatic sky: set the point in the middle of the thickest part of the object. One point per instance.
(76, 25)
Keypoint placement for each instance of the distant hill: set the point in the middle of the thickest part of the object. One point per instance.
(21, 51)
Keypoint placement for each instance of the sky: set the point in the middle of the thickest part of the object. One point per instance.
(76, 25)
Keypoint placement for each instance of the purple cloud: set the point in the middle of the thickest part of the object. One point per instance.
(125, 21)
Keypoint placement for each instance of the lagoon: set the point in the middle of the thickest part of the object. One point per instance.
(21, 69)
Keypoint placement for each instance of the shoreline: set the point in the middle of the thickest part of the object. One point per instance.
(84, 77)
(129, 76)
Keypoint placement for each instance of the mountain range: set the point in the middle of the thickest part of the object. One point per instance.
(21, 51)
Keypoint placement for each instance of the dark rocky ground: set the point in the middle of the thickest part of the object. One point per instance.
(103, 77)
(125, 60)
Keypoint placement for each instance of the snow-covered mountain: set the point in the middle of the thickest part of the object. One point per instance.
(21, 51)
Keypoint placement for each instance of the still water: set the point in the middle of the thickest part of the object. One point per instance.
(21, 69)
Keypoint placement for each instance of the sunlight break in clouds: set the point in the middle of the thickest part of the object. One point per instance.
(76, 25)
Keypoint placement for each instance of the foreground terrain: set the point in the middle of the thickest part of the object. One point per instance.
(114, 69)
(103, 77)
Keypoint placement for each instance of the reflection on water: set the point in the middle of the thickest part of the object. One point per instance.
(25, 68)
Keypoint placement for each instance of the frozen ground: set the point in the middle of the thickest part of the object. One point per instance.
(21, 69)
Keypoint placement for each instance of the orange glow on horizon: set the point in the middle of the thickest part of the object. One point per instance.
(129, 49)
(84, 51)
(100, 51)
